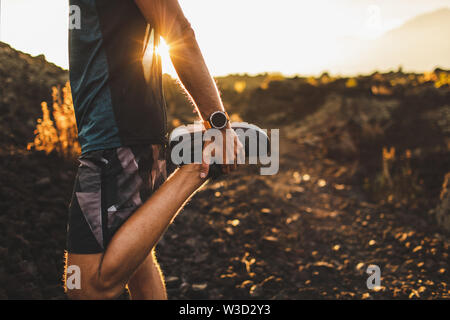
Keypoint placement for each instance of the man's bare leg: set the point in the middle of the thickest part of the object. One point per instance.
(147, 283)
(104, 276)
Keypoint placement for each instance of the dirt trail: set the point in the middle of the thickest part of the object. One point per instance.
(304, 233)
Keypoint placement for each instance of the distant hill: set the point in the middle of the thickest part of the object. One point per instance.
(25, 82)
(420, 44)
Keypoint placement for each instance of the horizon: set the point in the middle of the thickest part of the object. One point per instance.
(275, 73)
(314, 52)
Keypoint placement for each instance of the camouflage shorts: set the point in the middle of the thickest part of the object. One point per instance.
(110, 186)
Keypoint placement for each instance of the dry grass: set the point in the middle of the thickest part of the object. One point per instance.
(57, 129)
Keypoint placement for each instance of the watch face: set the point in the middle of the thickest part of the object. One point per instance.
(218, 120)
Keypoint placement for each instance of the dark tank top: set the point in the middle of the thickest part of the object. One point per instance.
(118, 99)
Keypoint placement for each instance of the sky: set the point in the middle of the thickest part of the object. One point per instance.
(236, 36)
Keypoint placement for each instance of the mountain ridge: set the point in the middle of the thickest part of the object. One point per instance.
(417, 45)
(25, 81)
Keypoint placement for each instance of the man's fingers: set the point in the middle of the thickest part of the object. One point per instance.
(231, 151)
(237, 145)
(204, 169)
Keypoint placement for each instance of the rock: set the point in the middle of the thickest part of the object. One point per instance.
(172, 282)
(171, 279)
(199, 286)
(199, 258)
(43, 182)
(256, 291)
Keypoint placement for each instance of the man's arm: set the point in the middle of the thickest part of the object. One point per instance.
(168, 18)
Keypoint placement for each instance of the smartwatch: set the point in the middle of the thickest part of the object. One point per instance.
(217, 120)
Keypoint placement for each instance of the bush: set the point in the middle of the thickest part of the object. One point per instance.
(57, 133)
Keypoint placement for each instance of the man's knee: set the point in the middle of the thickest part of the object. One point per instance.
(95, 290)
(84, 282)
(90, 295)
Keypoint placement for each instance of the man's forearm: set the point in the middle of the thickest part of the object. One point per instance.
(194, 74)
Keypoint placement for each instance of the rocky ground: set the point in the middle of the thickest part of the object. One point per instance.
(34, 194)
(308, 232)
(305, 233)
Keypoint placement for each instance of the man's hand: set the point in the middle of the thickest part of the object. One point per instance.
(231, 151)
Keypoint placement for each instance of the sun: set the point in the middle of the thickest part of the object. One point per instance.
(164, 51)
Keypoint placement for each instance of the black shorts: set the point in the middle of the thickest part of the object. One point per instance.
(110, 186)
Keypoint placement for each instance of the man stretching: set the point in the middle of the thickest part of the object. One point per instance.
(121, 204)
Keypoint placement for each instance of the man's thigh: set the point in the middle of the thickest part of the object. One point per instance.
(110, 186)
